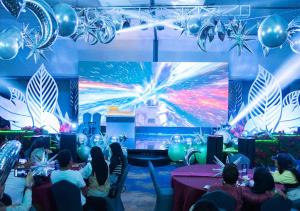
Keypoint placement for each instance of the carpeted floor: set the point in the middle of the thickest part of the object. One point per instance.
(139, 193)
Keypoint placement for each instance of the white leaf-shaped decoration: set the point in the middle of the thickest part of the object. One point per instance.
(41, 95)
(16, 112)
(236, 98)
(266, 97)
(16, 94)
(290, 119)
(51, 123)
(292, 99)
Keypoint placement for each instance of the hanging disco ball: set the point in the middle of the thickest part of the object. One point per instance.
(67, 19)
(273, 31)
(194, 25)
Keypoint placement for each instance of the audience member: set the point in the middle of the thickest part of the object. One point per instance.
(65, 173)
(97, 173)
(38, 150)
(262, 190)
(230, 176)
(286, 172)
(117, 162)
(27, 198)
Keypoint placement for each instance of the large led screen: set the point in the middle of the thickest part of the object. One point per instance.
(162, 94)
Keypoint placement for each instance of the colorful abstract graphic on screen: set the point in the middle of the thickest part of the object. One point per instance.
(162, 94)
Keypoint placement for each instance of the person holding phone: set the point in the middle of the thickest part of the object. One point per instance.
(27, 198)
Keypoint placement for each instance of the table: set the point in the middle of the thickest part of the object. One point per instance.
(188, 184)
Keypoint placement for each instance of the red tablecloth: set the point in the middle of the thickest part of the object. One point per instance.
(188, 183)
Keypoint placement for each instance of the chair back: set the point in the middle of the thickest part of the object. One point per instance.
(153, 177)
(277, 203)
(123, 178)
(243, 160)
(67, 196)
(221, 199)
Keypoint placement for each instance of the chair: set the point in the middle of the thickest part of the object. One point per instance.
(221, 199)
(277, 203)
(204, 204)
(244, 160)
(116, 204)
(164, 196)
(67, 196)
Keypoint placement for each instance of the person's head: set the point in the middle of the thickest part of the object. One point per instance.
(116, 150)
(263, 180)
(283, 161)
(64, 159)
(99, 166)
(230, 174)
(204, 205)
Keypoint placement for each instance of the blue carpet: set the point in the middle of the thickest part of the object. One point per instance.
(139, 193)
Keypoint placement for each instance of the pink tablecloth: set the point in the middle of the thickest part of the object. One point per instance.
(188, 183)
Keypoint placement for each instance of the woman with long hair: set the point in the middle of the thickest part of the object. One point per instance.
(97, 174)
(117, 162)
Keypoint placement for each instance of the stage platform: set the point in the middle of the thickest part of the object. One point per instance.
(150, 145)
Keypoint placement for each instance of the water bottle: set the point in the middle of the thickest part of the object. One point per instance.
(244, 169)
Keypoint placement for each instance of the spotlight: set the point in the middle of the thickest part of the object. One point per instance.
(74, 125)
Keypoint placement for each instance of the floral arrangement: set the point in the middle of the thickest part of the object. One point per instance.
(65, 128)
(36, 130)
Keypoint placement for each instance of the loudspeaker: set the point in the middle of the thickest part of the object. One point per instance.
(214, 148)
(68, 141)
(246, 146)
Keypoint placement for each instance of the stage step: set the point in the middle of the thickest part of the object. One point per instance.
(140, 157)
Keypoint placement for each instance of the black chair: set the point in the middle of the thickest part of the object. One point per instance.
(67, 196)
(164, 196)
(277, 203)
(204, 205)
(115, 203)
(221, 199)
(244, 160)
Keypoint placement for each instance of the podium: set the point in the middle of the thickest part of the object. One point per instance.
(120, 123)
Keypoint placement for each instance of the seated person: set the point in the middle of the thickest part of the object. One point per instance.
(286, 172)
(230, 176)
(38, 151)
(255, 196)
(27, 198)
(97, 173)
(263, 189)
(117, 162)
(65, 173)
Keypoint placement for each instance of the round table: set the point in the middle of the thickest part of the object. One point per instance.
(188, 184)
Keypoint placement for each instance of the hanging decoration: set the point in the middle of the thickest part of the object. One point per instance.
(240, 37)
(273, 31)
(67, 19)
(10, 42)
(208, 25)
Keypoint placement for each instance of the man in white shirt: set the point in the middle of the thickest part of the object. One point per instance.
(65, 173)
